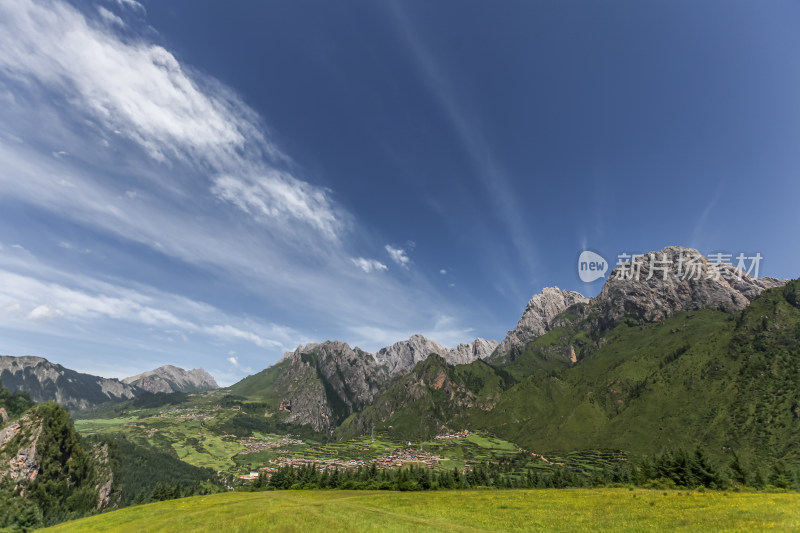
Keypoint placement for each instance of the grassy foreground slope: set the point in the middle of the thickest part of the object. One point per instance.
(518, 510)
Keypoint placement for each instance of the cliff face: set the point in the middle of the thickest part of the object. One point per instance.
(660, 283)
(43, 461)
(318, 384)
(403, 356)
(538, 317)
(322, 384)
(466, 353)
(650, 288)
(46, 381)
(170, 378)
(18, 442)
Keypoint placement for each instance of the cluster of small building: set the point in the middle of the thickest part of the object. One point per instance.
(178, 411)
(458, 435)
(190, 413)
(397, 458)
(402, 456)
(254, 444)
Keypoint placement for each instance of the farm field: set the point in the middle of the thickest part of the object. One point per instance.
(200, 436)
(517, 510)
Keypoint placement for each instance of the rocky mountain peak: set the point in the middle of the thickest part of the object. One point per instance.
(538, 317)
(169, 378)
(655, 285)
(466, 353)
(321, 384)
(46, 381)
(403, 356)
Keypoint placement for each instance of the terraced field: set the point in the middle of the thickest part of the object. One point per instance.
(198, 436)
(573, 510)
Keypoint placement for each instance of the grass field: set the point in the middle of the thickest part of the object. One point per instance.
(518, 510)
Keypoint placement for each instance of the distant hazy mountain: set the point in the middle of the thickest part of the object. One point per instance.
(170, 378)
(46, 381)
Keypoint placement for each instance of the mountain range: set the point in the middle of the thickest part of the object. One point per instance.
(46, 381)
(675, 349)
(170, 378)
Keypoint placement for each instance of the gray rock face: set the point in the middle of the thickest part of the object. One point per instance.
(403, 356)
(650, 289)
(170, 378)
(324, 383)
(676, 279)
(46, 381)
(22, 466)
(321, 384)
(21, 455)
(538, 317)
(466, 353)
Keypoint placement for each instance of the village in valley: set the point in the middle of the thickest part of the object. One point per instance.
(400, 457)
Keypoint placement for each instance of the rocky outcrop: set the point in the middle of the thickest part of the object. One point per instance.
(43, 442)
(538, 317)
(321, 384)
(466, 353)
(170, 378)
(104, 475)
(46, 381)
(20, 464)
(649, 289)
(660, 283)
(403, 356)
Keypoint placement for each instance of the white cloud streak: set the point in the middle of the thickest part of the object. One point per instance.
(279, 196)
(110, 17)
(369, 265)
(27, 299)
(489, 170)
(132, 5)
(398, 255)
(213, 192)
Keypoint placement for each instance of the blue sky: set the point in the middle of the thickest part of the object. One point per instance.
(213, 183)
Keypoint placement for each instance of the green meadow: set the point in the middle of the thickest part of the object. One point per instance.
(571, 510)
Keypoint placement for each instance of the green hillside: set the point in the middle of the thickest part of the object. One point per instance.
(263, 385)
(49, 473)
(572, 510)
(434, 398)
(724, 382)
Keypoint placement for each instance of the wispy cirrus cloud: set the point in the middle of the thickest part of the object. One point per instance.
(27, 299)
(489, 171)
(110, 17)
(369, 265)
(131, 4)
(157, 156)
(279, 196)
(398, 255)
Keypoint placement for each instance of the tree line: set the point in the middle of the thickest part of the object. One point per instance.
(668, 470)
